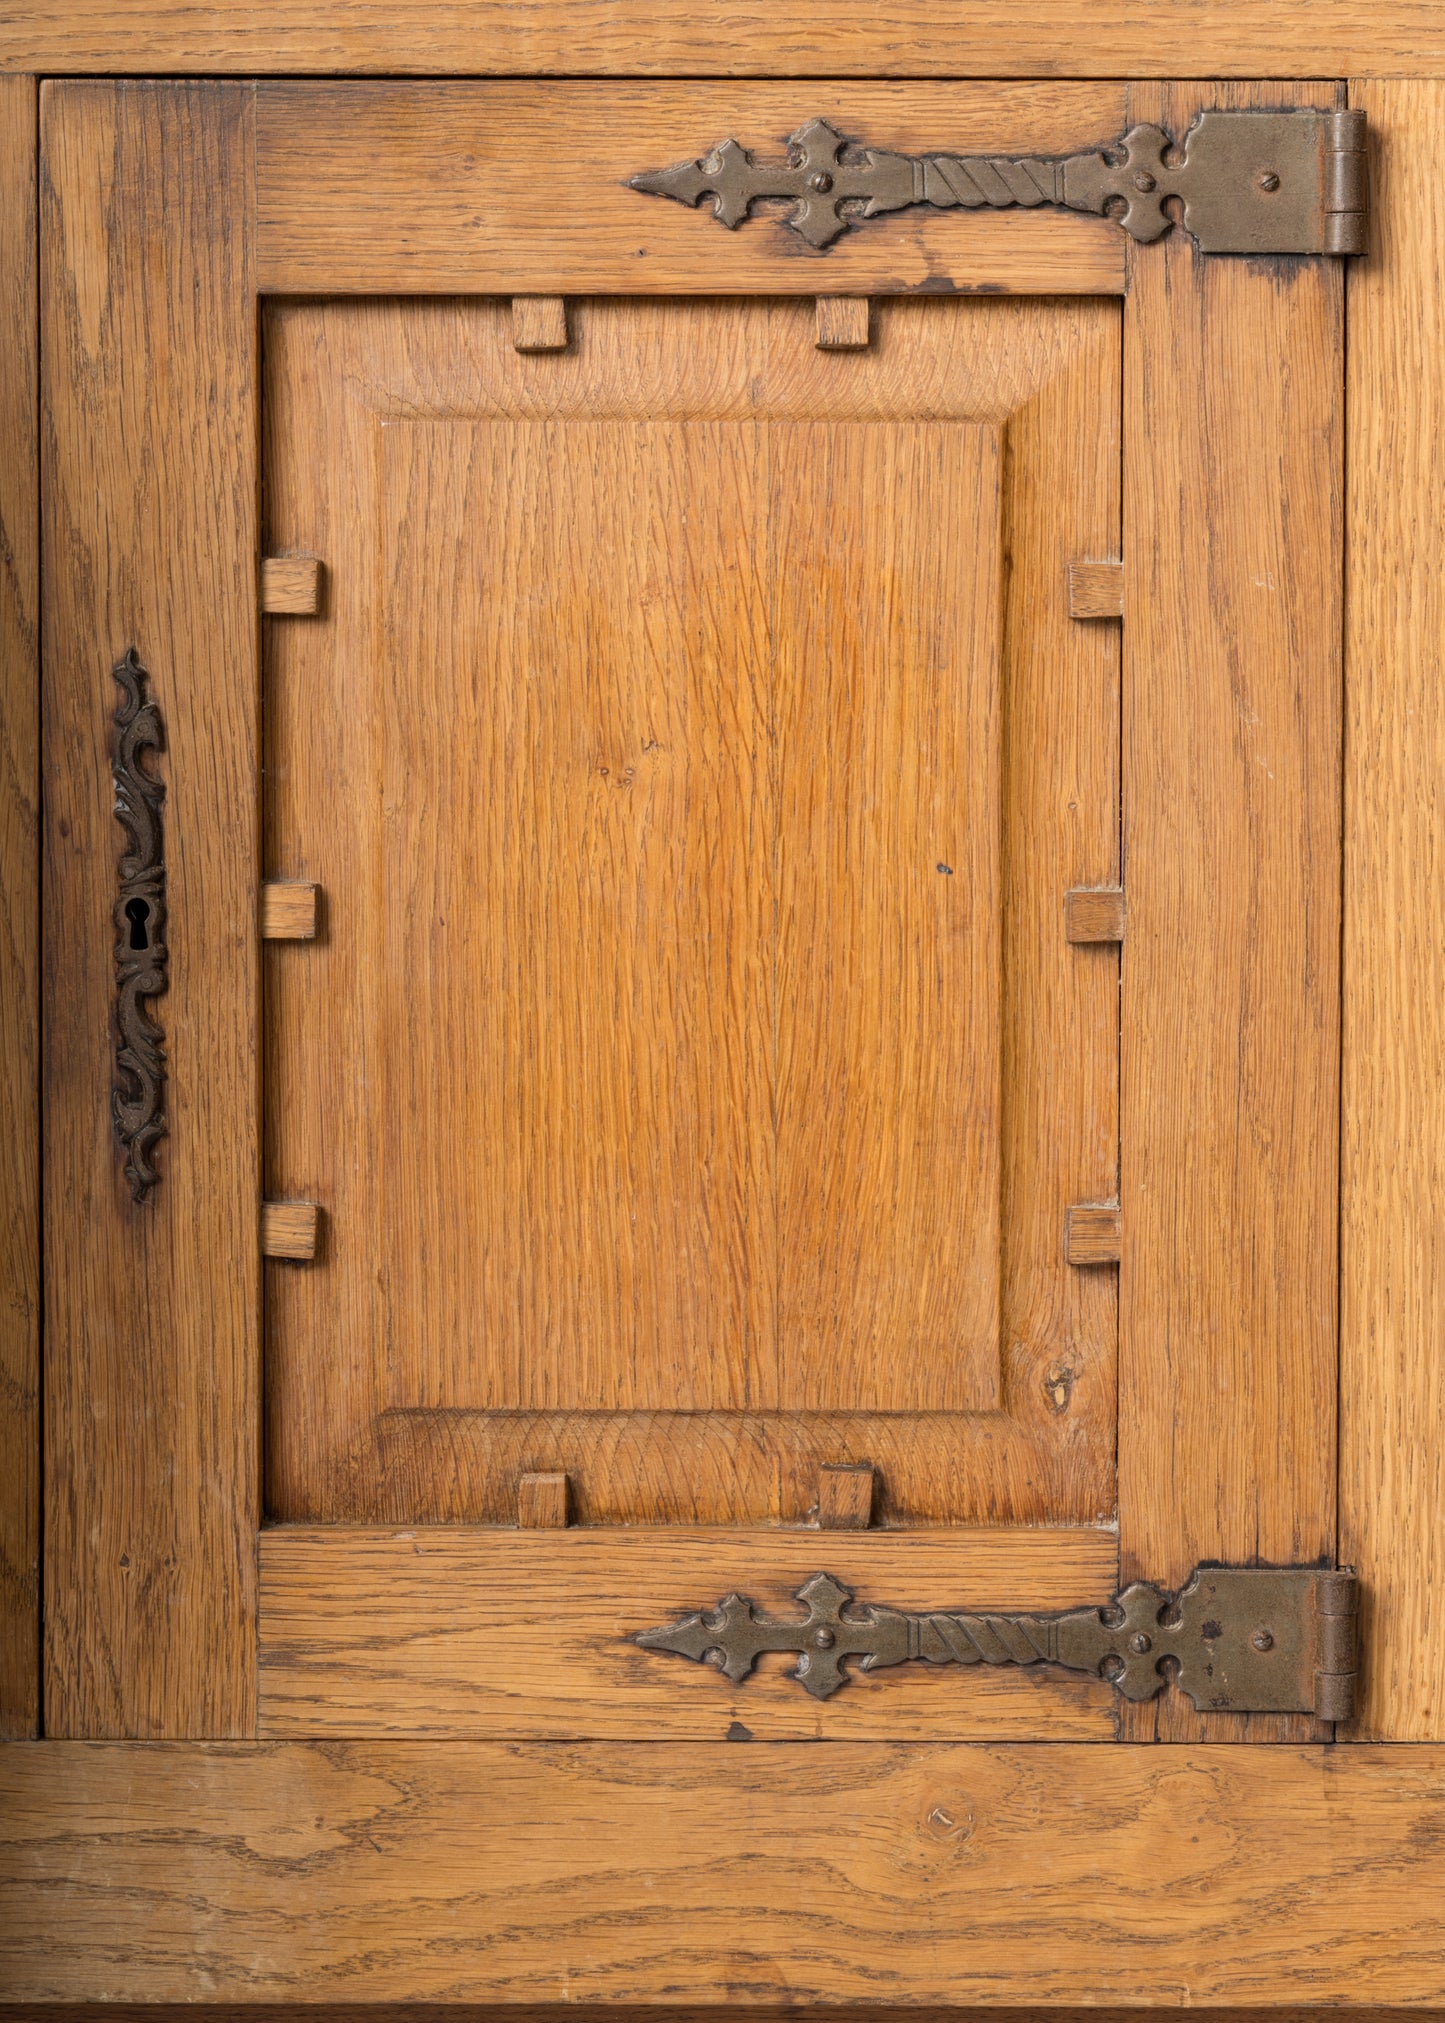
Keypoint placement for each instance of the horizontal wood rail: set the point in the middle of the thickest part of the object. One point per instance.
(1046, 39)
(477, 1871)
(367, 188)
(490, 1631)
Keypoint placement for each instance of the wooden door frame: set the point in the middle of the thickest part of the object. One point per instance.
(1286, 1868)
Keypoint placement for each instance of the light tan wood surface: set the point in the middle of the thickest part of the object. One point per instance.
(1392, 1351)
(1096, 589)
(500, 1632)
(19, 918)
(828, 38)
(1094, 913)
(568, 1873)
(845, 1495)
(614, 893)
(542, 1501)
(1092, 1233)
(291, 586)
(289, 1229)
(844, 322)
(150, 488)
(289, 912)
(539, 322)
(1228, 1284)
(410, 189)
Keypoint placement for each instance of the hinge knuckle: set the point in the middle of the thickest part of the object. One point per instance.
(1346, 184)
(1334, 1696)
(1336, 1603)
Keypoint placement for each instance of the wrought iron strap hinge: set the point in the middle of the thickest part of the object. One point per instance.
(1248, 182)
(1257, 1640)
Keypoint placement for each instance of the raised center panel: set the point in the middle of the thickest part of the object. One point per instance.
(693, 747)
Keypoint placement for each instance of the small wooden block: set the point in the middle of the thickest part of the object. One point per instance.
(1096, 590)
(539, 323)
(291, 586)
(288, 912)
(845, 1496)
(844, 323)
(1094, 913)
(1092, 1232)
(542, 1502)
(289, 1229)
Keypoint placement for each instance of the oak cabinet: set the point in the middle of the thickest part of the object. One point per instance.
(755, 870)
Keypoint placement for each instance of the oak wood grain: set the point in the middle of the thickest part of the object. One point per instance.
(615, 1271)
(829, 38)
(19, 916)
(1092, 1232)
(845, 1495)
(1094, 913)
(289, 912)
(539, 322)
(843, 323)
(291, 585)
(397, 188)
(290, 1229)
(449, 1631)
(542, 1501)
(1228, 1284)
(948, 1874)
(1096, 589)
(1392, 1352)
(620, 2012)
(151, 1310)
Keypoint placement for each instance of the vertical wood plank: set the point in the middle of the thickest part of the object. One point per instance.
(19, 920)
(1232, 549)
(149, 523)
(1392, 1348)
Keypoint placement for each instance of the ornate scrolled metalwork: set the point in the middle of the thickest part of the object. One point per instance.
(1245, 181)
(1258, 1639)
(139, 915)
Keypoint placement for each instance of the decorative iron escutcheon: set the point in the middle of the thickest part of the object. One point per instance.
(139, 914)
(1249, 182)
(1259, 1640)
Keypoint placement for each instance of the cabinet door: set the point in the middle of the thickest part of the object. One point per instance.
(749, 880)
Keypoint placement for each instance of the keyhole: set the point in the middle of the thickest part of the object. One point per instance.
(138, 912)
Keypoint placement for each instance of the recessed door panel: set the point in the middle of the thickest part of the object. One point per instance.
(694, 747)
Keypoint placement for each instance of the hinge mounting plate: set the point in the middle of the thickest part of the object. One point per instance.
(1272, 1640)
(1248, 182)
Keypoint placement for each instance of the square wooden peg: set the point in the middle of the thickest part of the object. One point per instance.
(539, 323)
(845, 1496)
(542, 1502)
(291, 586)
(1096, 590)
(288, 912)
(1092, 1232)
(290, 1229)
(843, 323)
(1094, 913)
